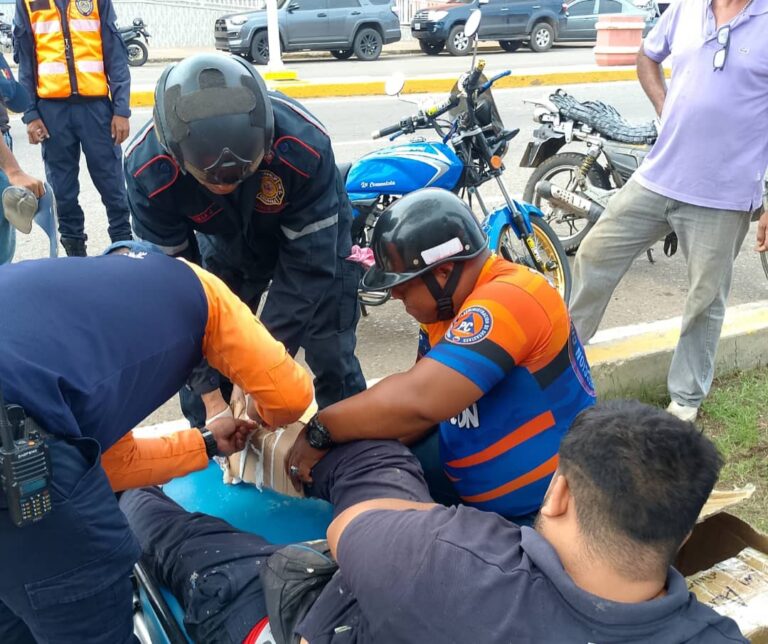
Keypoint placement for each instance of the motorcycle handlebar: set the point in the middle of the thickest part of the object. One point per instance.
(386, 131)
(471, 82)
(420, 120)
(487, 84)
(439, 110)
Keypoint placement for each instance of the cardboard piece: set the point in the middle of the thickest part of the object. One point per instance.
(265, 457)
(262, 462)
(726, 565)
(720, 500)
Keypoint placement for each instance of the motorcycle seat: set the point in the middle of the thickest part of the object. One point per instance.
(344, 169)
(604, 119)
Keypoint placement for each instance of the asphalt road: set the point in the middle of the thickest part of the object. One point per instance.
(321, 66)
(387, 337)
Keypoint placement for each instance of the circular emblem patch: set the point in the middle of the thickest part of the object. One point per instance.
(472, 325)
(85, 7)
(271, 192)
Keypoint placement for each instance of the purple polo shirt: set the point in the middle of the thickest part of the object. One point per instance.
(712, 149)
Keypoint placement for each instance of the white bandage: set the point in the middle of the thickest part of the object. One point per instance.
(225, 413)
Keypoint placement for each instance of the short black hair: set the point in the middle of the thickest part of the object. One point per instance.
(639, 477)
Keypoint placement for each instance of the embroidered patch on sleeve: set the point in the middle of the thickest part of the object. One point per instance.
(470, 326)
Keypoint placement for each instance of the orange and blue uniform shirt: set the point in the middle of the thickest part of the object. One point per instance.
(91, 346)
(513, 339)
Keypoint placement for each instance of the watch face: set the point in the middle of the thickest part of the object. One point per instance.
(317, 436)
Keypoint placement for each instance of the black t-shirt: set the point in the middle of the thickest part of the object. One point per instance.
(466, 576)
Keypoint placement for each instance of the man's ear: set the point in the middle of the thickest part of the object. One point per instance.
(558, 497)
(443, 272)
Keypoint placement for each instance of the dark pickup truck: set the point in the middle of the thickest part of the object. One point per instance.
(343, 27)
(511, 22)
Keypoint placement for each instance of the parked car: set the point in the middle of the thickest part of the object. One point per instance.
(343, 27)
(580, 17)
(511, 22)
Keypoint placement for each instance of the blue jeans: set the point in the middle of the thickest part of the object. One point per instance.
(7, 232)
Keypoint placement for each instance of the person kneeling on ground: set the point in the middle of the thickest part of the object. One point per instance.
(500, 367)
(630, 484)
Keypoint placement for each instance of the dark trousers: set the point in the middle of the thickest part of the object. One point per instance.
(85, 125)
(65, 579)
(213, 569)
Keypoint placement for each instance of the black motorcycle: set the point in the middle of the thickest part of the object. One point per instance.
(573, 188)
(137, 50)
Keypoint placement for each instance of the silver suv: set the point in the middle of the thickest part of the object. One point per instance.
(343, 27)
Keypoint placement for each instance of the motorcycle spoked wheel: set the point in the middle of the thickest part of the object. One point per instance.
(137, 53)
(550, 249)
(559, 169)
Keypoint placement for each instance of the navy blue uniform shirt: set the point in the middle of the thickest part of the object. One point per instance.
(461, 575)
(91, 346)
(293, 214)
(113, 47)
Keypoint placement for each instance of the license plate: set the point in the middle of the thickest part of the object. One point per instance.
(416, 26)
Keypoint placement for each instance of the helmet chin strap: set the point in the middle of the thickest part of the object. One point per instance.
(444, 295)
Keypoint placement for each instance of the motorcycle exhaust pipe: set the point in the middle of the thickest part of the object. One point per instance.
(569, 200)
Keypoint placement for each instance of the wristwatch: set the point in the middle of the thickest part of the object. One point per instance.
(317, 435)
(211, 448)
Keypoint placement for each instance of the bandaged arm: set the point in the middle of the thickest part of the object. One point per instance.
(239, 346)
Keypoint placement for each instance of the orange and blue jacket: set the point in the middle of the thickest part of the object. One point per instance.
(513, 338)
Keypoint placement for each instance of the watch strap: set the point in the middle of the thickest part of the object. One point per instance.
(211, 448)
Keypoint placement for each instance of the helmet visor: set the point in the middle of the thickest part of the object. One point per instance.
(378, 279)
(228, 169)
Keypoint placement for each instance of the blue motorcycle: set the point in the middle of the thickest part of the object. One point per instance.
(472, 142)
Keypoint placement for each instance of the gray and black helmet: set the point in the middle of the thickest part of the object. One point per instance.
(421, 230)
(418, 232)
(214, 116)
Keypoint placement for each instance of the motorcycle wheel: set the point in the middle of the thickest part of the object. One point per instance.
(137, 53)
(571, 228)
(514, 250)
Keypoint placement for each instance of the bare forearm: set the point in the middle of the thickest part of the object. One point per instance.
(8, 163)
(651, 77)
(383, 411)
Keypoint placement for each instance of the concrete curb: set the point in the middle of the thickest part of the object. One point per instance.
(629, 360)
(330, 88)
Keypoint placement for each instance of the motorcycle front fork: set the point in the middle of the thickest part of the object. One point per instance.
(521, 225)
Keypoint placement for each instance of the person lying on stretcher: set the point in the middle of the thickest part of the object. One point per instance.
(630, 484)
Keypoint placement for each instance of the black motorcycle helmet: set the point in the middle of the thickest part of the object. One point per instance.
(418, 232)
(213, 115)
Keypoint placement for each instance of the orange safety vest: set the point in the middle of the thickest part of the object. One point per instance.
(70, 58)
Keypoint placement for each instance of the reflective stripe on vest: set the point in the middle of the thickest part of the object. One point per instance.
(83, 72)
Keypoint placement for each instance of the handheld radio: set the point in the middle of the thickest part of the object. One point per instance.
(25, 466)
